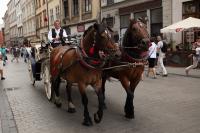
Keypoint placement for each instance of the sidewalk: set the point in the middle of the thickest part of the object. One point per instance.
(180, 71)
(195, 73)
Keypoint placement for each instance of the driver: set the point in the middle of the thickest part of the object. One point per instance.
(56, 34)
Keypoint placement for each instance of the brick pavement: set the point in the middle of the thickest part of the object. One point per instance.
(163, 105)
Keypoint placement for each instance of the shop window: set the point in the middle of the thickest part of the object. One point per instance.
(156, 21)
(110, 22)
(142, 15)
(124, 21)
(189, 7)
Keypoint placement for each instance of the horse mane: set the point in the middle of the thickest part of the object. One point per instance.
(88, 29)
(127, 39)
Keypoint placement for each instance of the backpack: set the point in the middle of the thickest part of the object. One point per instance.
(164, 47)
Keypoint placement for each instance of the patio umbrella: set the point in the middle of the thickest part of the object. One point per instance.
(182, 25)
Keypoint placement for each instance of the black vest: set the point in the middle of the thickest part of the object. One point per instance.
(60, 34)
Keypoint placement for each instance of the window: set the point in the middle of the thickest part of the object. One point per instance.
(66, 8)
(51, 17)
(124, 21)
(75, 7)
(110, 2)
(39, 3)
(156, 21)
(40, 20)
(44, 1)
(110, 22)
(189, 7)
(87, 6)
(57, 12)
(142, 15)
(45, 17)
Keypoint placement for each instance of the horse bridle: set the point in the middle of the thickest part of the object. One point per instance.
(108, 50)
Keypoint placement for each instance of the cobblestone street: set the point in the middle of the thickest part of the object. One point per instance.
(163, 105)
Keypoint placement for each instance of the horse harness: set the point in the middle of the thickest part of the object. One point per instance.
(83, 59)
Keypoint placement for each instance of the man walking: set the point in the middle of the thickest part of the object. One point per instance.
(196, 56)
(161, 56)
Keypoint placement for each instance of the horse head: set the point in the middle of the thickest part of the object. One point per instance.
(136, 38)
(98, 42)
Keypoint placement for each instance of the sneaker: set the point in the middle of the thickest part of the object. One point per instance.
(165, 75)
(3, 78)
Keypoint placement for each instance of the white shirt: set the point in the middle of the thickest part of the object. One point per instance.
(50, 38)
(160, 45)
(153, 50)
(28, 49)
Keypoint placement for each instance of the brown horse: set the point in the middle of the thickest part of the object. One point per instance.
(69, 63)
(134, 50)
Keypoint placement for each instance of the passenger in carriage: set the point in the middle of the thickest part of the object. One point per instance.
(56, 35)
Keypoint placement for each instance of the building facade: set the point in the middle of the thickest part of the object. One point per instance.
(78, 15)
(19, 22)
(41, 19)
(182, 9)
(12, 22)
(1, 35)
(117, 14)
(54, 11)
(28, 19)
(6, 29)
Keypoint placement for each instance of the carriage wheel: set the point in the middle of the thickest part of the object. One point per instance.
(47, 83)
(31, 73)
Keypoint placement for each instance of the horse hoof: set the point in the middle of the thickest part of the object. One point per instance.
(97, 118)
(87, 122)
(71, 110)
(130, 116)
(58, 105)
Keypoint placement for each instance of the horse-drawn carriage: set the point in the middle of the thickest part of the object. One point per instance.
(39, 61)
(71, 64)
(38, 65)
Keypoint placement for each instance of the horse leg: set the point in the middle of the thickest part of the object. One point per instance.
(71, 107)
(128, 108)
(55, 85)
(99, 114)
(87, 121)
(103, 91)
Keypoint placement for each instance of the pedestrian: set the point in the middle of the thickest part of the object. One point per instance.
(195, 56)
(152, 58)
(161, 55)
(16, 53)
(1, 66)
(3, 52)
(56, 35)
